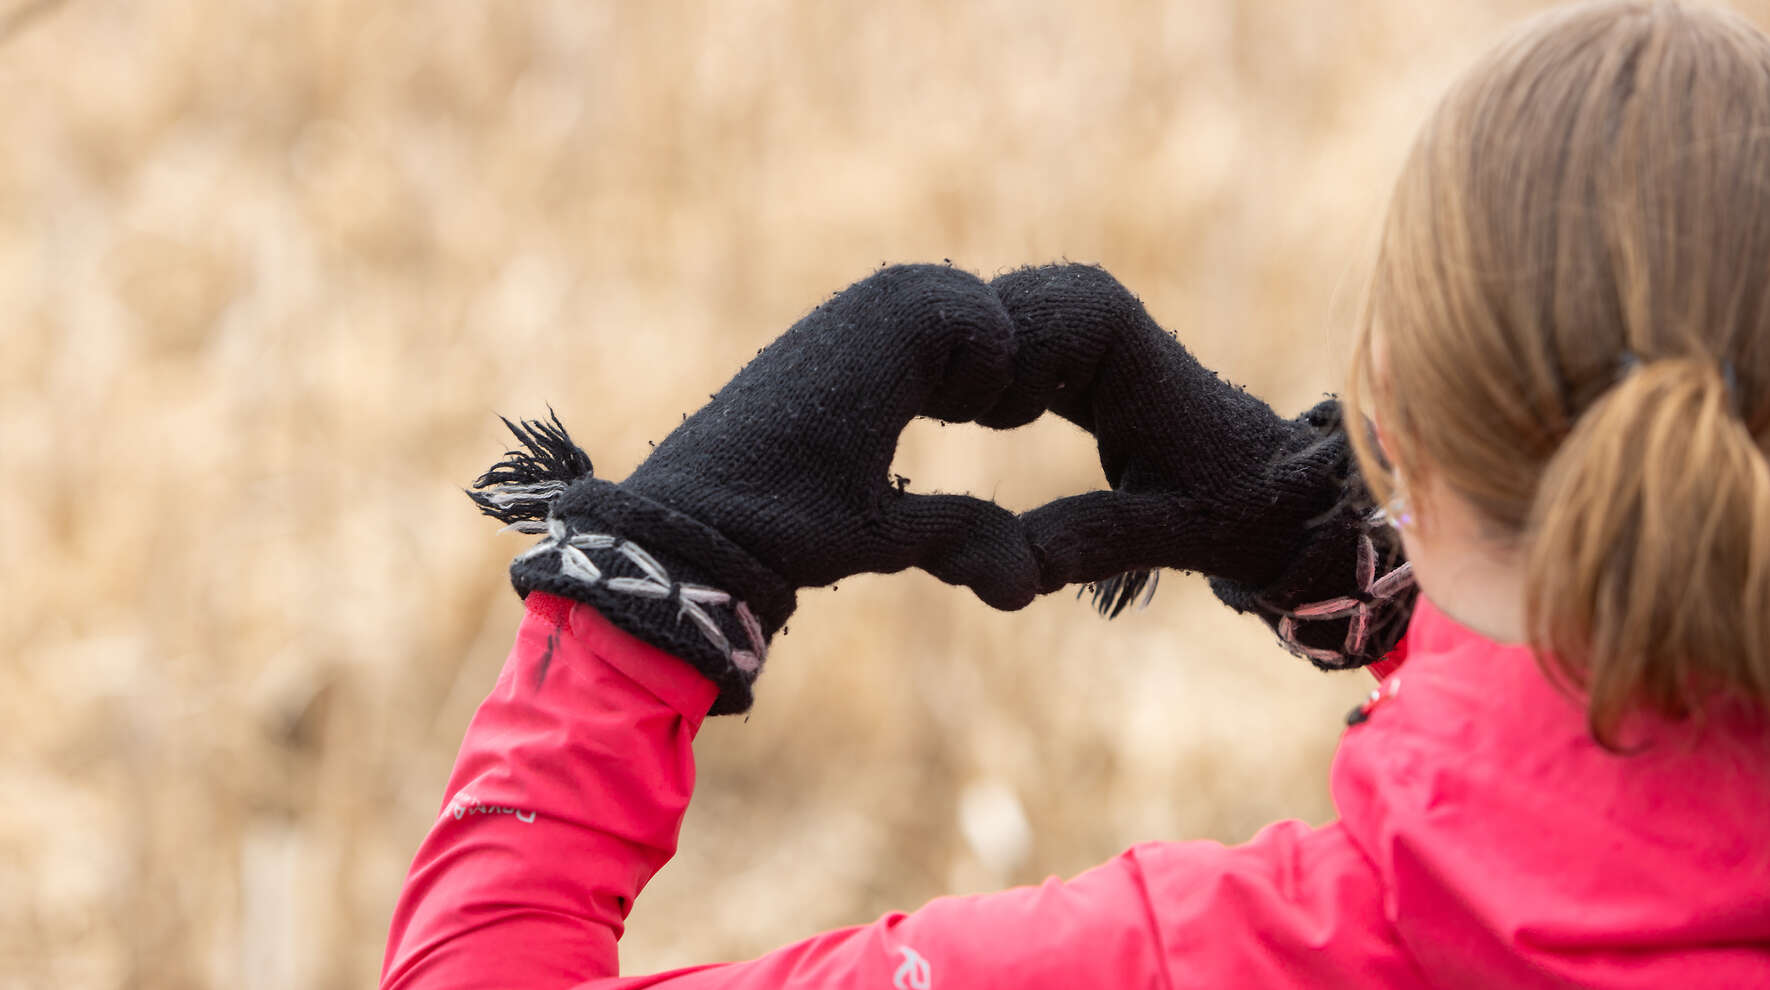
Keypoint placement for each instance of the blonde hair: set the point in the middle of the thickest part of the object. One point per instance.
(1572, 305)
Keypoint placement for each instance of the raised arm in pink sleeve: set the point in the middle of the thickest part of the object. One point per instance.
(568, 796)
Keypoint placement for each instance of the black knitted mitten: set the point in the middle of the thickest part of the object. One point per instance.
(1205, 477)
(781, 482)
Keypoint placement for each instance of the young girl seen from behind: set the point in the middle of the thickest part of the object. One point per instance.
(1542, 516)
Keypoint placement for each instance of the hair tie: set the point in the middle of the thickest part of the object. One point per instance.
(1730, 378)
(1628, 361)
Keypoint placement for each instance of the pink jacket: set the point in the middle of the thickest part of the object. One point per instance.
(1484, 840)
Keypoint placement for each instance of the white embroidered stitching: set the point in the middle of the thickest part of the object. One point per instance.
(508, 494)
(748, 660)
(1380, 590)
(693, 600)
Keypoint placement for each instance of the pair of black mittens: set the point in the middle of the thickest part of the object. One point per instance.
(782, 481)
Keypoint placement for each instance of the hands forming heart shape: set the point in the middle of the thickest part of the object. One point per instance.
(782, 481)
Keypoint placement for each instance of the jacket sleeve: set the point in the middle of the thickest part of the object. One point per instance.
(570, 789)
(566, 798)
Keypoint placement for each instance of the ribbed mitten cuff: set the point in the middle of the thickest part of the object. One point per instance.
(1355, 628)
(658, 596)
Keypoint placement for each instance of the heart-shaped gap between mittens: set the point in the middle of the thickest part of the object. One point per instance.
(1018, 469)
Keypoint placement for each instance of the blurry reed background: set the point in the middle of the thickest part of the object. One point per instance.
(268, 270)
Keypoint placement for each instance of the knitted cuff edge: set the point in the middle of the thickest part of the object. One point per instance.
(710, 629)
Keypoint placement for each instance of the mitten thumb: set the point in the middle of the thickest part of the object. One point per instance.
(961, 540)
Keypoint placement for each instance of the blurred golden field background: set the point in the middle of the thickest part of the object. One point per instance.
(268, 272)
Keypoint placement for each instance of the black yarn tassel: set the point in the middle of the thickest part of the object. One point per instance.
(520, 489)
(1117, 593)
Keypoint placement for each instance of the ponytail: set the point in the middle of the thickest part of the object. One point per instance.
(1647, 554)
